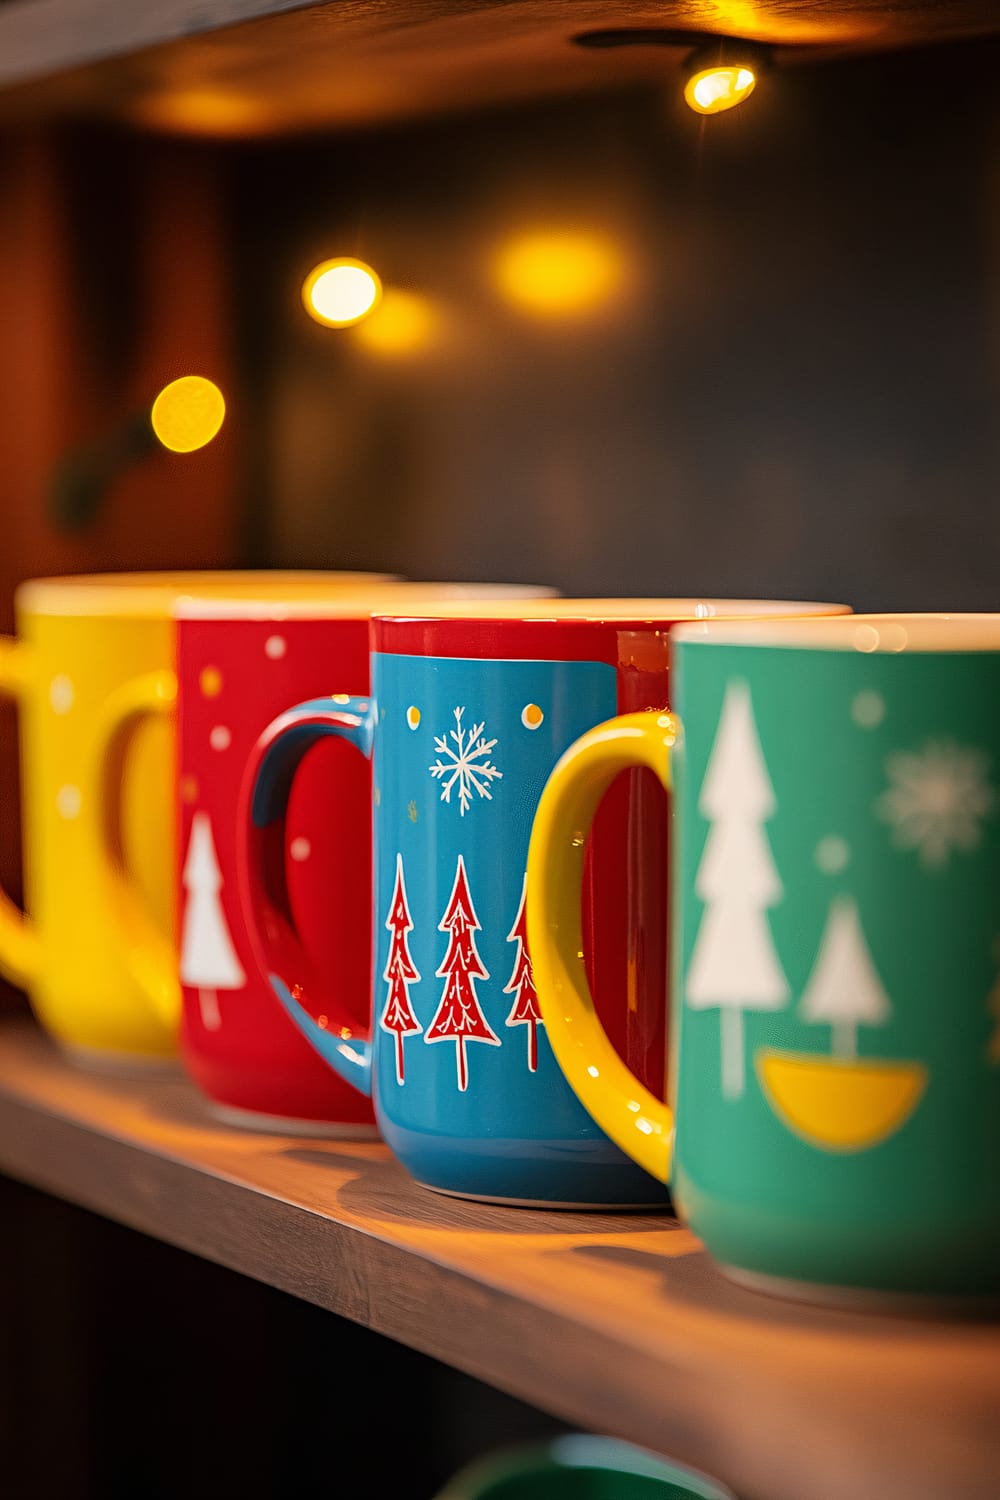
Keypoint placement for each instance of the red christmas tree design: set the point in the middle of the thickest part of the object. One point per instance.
(524, 1011)
(400, 971)
(459, 1017)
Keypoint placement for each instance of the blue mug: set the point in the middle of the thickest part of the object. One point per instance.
(466, 720)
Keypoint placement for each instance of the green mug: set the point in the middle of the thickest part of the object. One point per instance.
(579, 1467)
(835, 950)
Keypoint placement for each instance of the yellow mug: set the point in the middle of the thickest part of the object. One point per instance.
(92, 674)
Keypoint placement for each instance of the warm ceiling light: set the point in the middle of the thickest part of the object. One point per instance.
(187, 413)
(560, 272)
(341, 292)
(711, 90)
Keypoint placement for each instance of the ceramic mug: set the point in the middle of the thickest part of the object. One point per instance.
(580, 1467)
(95, 652)
(239, 664)
(836, 955)
(469, 712)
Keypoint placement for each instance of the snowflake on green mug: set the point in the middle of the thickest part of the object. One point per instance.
(937, 800)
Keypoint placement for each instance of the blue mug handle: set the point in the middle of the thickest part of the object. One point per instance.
(261, 836)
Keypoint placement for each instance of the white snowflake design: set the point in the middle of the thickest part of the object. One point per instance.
(937, 799)
(465, 764)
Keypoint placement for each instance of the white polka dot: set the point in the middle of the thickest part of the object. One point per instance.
(220, 738)
(275, 647)
(61, 694)
(832, 854)
(300, 849)
(868, 709)
(68, 801)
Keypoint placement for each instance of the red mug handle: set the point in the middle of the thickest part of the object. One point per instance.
(277, 946)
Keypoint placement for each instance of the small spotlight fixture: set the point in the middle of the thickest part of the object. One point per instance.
(712, 90)
(719, 74)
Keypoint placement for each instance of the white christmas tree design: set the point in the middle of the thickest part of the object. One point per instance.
(844, 988)
(735, 965)
(208, 958)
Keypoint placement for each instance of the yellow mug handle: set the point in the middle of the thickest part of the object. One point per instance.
(624, 1108)
(20, 949)
(148, 954)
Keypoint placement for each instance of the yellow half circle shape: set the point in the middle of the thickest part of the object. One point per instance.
(838, 1103)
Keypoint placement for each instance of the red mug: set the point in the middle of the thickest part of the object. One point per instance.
(240, 664)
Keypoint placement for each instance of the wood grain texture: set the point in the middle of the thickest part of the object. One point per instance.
(615, 1322)
(246, 67)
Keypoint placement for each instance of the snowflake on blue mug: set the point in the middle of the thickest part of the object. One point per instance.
(465, 764)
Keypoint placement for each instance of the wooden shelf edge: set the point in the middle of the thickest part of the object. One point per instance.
(247, 68)
(616, 1323)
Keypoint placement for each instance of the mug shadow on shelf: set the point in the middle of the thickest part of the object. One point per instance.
(382, 1189)
(695, 1281)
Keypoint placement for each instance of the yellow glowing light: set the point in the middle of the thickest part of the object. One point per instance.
(403, 323)
(202, 112)
(715, 89)
(341, 292)
(558, 273)
(187, 413)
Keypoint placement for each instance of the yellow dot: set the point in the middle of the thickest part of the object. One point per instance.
(413, 716)
(560, 272)
(341, 292)
(411, 812)
(531, 716)
(713, 90)
(189, 788)
(188, 413)
(210, 682)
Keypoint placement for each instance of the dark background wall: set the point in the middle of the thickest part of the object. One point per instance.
(797, 396)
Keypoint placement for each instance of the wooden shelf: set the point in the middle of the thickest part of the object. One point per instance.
(248, 67)
(615, 1322)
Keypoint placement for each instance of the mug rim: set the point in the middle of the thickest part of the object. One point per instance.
(156, 594)
(638, 612)
(866, 634)
(359, 602)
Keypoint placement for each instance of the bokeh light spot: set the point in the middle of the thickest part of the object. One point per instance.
(188, 413)
(558, 273)
(402, 324)
(341, 292)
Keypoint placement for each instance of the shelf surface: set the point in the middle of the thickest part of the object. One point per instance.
(246, 67)
(615, 1322)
